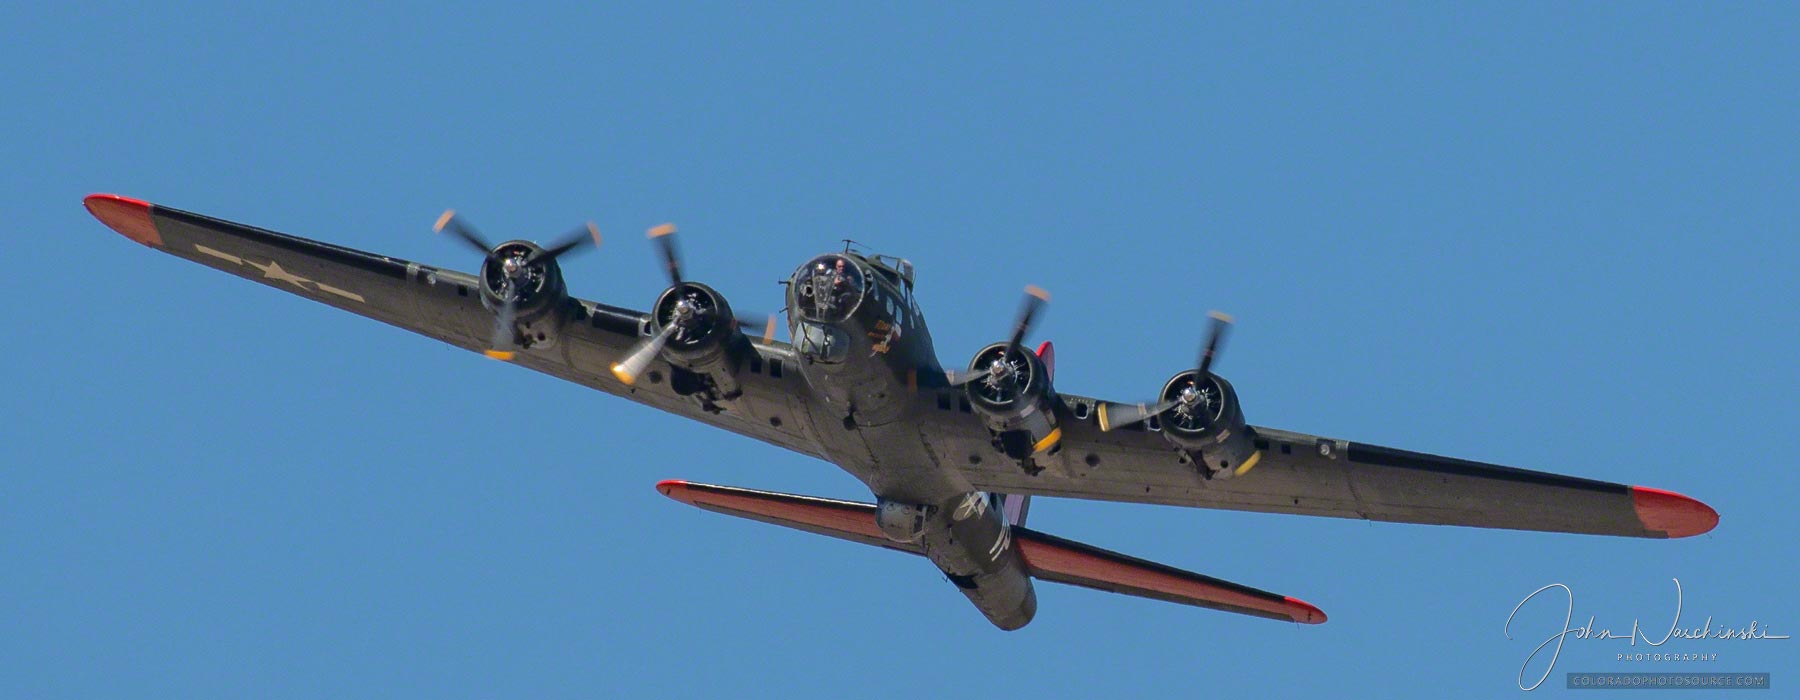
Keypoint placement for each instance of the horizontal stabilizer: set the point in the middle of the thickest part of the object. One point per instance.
(1052, 558)
(1046, 557)
(845, 520)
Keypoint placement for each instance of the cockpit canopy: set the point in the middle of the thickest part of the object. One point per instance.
(828, 288)
(897, 270)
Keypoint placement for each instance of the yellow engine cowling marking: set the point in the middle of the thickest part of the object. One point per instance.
(1248, 463)
(1048, 442)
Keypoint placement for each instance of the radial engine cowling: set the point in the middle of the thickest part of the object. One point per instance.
(1207, 423)
(535, 287)
(706, 344)
(1014, 397)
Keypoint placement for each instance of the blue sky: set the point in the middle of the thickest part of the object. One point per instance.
(1554, 237)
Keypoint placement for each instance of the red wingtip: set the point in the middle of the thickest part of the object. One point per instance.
(1307, 613)
(1672, 513)
(130, 217)
(668, 487)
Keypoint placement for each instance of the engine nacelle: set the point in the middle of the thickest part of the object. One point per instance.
(1014, 397)
(537, 289)
(1207, 424)
(705, 353)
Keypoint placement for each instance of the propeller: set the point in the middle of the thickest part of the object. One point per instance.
(1215, 339)
(750, 322)
(687, 314)
(517, 265)
(1115, 415)
(1001, 369)
(463, 231)
(664, 236)
(1035, 299)
(633, 364)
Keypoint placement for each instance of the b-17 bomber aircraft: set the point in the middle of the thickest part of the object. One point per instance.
(952, 457)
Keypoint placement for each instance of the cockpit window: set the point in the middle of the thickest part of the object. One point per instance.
(897, 269)
(828, 288)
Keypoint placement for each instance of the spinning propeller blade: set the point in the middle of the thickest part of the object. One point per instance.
(501, 347)
(576, 239)
(1220, 323)
(1035, 299)
(639, 357)
(664, 236)
(503, 332)
(758, 327)
(463, 231)
(1119, 415)
(633, 364)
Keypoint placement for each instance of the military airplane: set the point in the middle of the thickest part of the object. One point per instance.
(951, 456)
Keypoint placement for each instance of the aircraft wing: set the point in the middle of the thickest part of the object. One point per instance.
(446, 305)
(1046, 557)
(1310, 475)
(1298, 473)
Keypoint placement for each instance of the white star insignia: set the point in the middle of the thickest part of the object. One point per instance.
(274, 271)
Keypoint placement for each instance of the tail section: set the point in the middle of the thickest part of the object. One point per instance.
(1047, 557)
